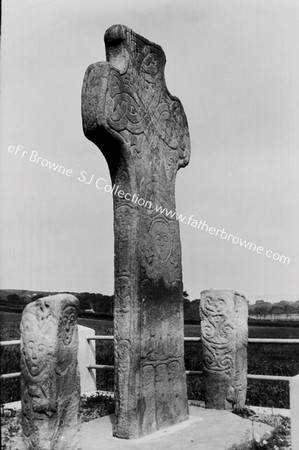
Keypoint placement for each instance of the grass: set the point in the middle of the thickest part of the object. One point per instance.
(10, 360)
(271, 359)
(279, 439)
(263, 359)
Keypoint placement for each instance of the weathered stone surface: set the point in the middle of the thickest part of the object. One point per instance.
(142, 131)
(50, 381)
(224, 332)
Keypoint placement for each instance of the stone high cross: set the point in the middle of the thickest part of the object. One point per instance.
(142, 131)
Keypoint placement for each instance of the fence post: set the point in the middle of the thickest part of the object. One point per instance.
(86, 357)
(294, 405)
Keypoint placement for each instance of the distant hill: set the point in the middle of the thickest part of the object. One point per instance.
(15, 300)
(272, 311)
(280, 311)
(191, 311)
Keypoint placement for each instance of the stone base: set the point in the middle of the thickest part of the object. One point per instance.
(205, 430)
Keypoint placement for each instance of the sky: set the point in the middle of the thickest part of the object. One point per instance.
(234, 65)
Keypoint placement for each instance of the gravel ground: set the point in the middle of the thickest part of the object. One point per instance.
(98, 406)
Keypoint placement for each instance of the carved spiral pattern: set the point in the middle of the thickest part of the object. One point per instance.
(213, 306)
(218, 332)
(138, 102)
(216, 358)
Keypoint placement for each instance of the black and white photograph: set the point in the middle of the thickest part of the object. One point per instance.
(149, 293)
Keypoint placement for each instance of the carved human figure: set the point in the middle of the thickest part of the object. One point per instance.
(224, 333)
(50, 383)
(142, 131)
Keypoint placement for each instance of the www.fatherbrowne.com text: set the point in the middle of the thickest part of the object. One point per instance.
(191, 220)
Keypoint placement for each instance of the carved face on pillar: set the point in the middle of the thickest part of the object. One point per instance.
(68, 322)
(162, 241)
(123, 222)
(37, 347)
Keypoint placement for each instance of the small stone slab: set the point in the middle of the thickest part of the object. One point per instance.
(50, 380)
(224, 333)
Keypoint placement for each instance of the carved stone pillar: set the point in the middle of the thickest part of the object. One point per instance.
(224, 333)
(142, 131)
(50, 381)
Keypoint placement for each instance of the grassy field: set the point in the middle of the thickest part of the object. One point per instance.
(271, 359)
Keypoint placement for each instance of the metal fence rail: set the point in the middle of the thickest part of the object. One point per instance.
(7, 343)
(200, 372)
(272, 341)
(186, 339)
(88, 368)
(198, 339)
(269, 377)
(6, 376)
